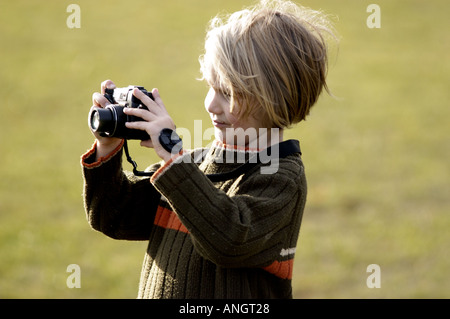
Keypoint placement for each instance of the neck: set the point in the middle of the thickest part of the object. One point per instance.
(252, 139)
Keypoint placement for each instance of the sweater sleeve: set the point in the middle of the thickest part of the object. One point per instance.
(246, 229)
(117, 203)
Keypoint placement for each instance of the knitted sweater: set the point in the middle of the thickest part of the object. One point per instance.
(227, 239)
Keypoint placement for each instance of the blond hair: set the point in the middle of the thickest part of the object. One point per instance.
(270, 58)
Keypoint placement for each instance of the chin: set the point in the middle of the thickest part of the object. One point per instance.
(220, 136)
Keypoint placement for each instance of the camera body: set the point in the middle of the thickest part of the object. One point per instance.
(110, 121)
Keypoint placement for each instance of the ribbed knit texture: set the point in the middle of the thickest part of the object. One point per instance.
(231, 239)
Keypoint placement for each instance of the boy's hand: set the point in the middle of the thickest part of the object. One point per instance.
(155, 119)
(105, 145)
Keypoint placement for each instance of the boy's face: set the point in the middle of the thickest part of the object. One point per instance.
(226, 123)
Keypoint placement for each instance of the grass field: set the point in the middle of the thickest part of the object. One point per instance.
(377, 155)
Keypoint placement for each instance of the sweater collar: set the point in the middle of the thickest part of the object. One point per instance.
(232, 154)
(221, 153)
(233, 148)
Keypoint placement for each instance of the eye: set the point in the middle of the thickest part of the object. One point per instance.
(226, 94)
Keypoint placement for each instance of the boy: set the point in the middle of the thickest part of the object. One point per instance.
(220, 238)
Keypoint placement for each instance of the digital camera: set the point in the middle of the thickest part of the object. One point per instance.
(110, 121)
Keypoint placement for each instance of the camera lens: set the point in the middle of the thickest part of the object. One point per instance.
(95, 120)
(103, 120)
(110, 122)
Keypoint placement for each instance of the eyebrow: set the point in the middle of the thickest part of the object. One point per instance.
(219, 88)
(222, 91)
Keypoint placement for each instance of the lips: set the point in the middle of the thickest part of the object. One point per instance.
(219, 124)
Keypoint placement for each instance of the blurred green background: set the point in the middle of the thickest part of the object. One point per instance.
(377, 155)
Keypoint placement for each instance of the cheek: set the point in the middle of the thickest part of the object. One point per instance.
(232, 119)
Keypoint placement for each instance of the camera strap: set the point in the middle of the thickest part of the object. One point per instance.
(133, 163)
(285, 149)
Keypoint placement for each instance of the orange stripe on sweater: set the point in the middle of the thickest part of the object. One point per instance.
(166, 166)
(101, 159)
(281, 269)
(167, 219)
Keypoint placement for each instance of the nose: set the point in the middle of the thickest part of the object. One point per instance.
(212, 104)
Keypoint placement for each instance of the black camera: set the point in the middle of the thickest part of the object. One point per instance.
(110, 121)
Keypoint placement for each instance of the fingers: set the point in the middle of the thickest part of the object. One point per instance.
(99, 100)
(140, 125)
(142, 113)
(158, 100)
(143, 97)
(151, 123)
(156, 105)
(157, 97)
(107, 84)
